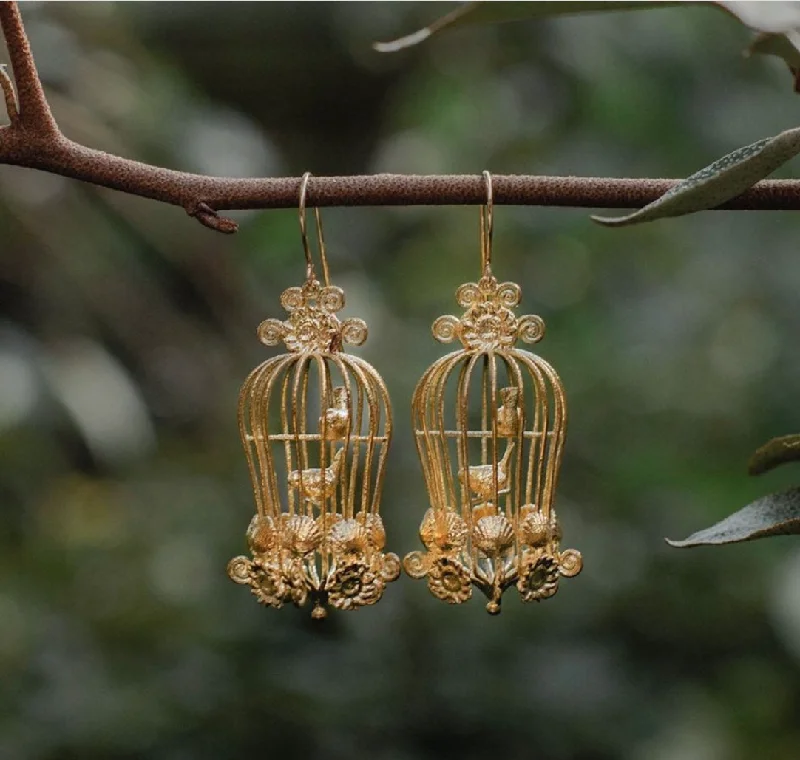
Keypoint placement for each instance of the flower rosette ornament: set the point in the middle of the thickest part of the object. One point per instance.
(449, 580)
(354, 585)
(538, 578)
(266, 580)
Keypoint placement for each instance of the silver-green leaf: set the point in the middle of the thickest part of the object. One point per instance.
(775, 452)
(775, 515)
(726, 178)
(500, 12)
(778, 45)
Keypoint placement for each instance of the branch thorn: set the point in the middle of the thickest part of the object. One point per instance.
(208, 217)
(9, 94)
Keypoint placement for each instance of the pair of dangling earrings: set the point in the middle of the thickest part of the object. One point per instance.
(316, 423)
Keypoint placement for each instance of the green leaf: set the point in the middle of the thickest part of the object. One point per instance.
(775, 452)
(726, 178)
(775, 515)
(499, 12)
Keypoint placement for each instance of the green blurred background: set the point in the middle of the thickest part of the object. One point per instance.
(127, 328)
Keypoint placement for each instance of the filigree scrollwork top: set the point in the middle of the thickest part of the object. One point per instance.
(312, 324)
(489, 322)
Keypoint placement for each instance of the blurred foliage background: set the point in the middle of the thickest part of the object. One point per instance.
(126, 329)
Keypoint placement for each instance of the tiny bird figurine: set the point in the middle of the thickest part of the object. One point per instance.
(337, 417)
(509, 414)
(318, 484)
(480, 477)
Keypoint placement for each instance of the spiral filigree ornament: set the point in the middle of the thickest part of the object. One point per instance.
(417, 564)
(331, 299)
(468, 294)
(445, 328)
(354, 331)
(389, 565)
(296, 298)
(530, 328)
(570, 563)
(239, 569)
(271, 331)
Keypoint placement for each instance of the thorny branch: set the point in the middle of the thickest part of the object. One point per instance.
(32, 139)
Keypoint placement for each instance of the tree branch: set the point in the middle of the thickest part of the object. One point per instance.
(33, 140)
(34, 111)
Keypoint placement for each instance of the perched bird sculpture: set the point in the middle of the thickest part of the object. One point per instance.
(509, 414)
(336, 420)
(318, 484)
(480, 477)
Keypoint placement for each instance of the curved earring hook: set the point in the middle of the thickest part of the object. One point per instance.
(487, 227)
(310, 275)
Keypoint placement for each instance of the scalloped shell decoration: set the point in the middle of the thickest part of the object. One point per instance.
(316, 425)
(490, 422)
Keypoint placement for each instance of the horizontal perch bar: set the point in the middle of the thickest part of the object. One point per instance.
(314, 437)
(479, 434)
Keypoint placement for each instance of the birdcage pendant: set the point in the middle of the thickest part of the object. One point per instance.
(490, 421)
(316, 426)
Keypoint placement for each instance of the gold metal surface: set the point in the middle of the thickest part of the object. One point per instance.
(316, 425)
(490, 421)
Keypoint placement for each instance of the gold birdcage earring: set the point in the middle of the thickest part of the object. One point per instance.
(316, 424)
(489, 423)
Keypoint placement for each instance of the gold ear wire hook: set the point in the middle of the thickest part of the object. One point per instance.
(487, 227)
(304, 234)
